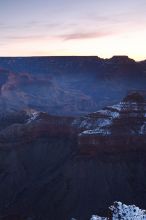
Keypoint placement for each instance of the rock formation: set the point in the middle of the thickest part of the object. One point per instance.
(119, 211)
(118, 127)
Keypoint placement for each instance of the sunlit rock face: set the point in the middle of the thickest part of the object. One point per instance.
(115, 127)
(119, 211)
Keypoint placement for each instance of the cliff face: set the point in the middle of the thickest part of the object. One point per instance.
(118, 127)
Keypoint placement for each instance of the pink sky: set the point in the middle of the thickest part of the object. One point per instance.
(81, 27)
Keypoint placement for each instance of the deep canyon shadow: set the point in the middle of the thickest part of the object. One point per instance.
(49, 179)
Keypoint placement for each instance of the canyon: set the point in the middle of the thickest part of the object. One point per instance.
(67, 85)
(72, 136)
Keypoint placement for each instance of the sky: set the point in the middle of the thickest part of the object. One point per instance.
(73, 27)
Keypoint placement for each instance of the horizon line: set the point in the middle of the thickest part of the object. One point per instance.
(95, 56)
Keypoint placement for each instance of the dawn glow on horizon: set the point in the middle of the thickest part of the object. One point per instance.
(80, 28)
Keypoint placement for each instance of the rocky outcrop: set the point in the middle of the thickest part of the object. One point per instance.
(118, 127)
(120, 211)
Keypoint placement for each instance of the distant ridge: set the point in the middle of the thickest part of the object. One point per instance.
(67, 85)
(116, 57)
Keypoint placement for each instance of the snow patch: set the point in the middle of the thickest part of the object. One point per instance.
(103, 122)
(127, 212)
(85, 124)
(95, 217)
(119, 211)
(99, 131)
(32, 116)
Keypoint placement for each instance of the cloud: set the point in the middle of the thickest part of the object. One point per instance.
(47, 30)
(63, 37)
(84, 35)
